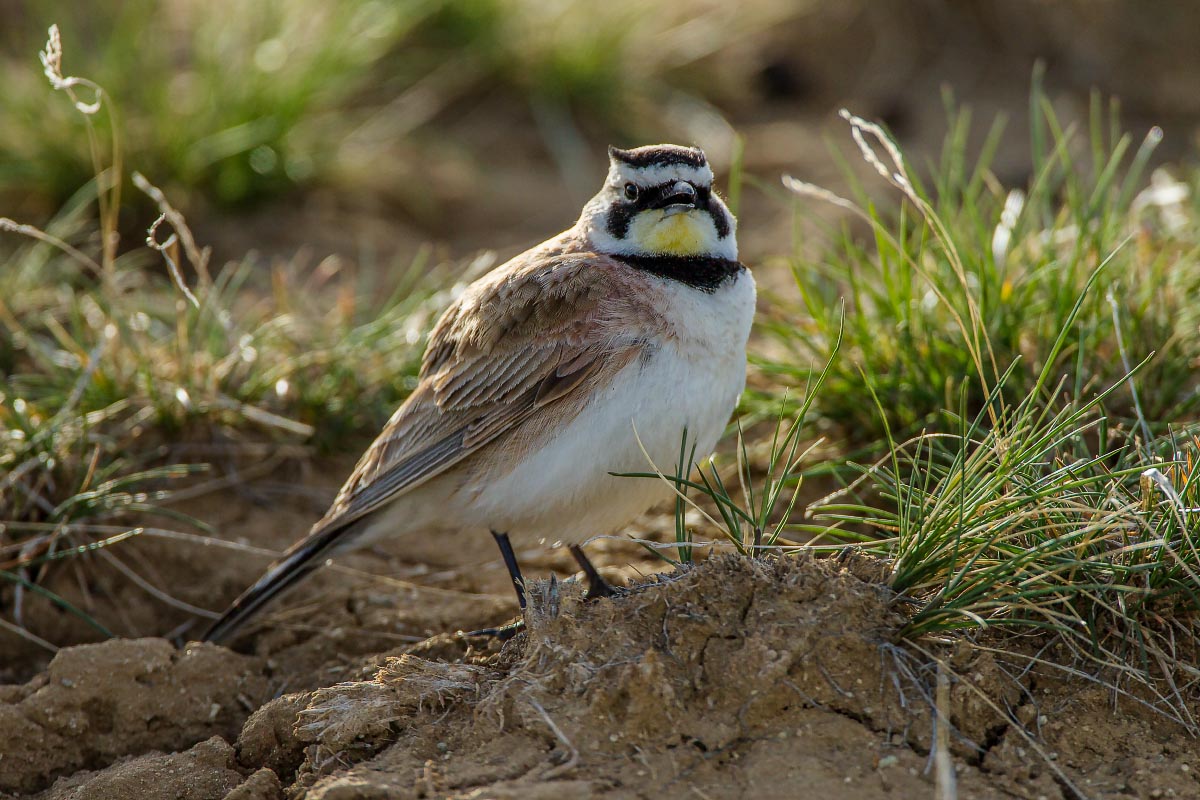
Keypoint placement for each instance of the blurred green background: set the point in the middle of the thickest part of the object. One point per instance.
(347, 125)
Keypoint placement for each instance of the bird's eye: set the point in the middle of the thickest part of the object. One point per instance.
(631, 191)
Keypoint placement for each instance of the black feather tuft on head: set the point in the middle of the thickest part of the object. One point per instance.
(659, 155)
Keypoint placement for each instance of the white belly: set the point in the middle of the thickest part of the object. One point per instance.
(564, 490)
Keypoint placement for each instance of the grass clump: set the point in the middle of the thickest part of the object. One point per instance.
(1042, 515)
(967, 276)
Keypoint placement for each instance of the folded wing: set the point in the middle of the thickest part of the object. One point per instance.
(519, 340)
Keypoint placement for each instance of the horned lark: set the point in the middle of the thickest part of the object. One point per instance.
(536, 379)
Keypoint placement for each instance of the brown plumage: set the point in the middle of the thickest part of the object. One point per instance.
(518, 342)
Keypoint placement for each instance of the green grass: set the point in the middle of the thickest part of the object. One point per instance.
(232, 110)
(1042, 516)
(964, 276)
(103, 383)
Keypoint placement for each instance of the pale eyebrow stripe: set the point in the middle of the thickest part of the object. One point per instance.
(651, 176)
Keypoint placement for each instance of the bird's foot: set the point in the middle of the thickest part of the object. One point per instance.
(508, 631)
(503, 633)
(597, 587)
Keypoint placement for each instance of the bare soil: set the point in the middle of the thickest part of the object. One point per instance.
(732, 678)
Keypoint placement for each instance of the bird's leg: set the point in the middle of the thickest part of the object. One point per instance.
(518, 581)
(597, 586)
(514, 570)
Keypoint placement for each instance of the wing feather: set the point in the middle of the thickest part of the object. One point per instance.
(532, 333)
(515, 342)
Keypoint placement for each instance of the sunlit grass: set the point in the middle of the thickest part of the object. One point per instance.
(964, 276)
(232, 110)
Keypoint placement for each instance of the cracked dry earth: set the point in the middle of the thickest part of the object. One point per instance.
(734, 678)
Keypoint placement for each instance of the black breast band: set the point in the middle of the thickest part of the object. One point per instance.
(700, 272)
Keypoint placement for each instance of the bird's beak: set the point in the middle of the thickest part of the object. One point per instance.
(680, 197)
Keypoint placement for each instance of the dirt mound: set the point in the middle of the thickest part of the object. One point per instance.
(685, 678)
(96, 703)
(204, 771)
(733, 678)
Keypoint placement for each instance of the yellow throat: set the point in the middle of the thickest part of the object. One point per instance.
(690, 233)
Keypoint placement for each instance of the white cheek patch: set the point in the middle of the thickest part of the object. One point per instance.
(620, 173)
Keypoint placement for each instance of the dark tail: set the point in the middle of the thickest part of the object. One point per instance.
(297, 563)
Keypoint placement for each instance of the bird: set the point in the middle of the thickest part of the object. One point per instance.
(604, 346)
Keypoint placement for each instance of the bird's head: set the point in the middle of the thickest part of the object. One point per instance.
(659, 201)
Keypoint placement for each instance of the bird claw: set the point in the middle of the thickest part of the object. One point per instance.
(597, 586)
(503, 632)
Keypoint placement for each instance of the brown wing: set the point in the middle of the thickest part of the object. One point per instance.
(516, 341)
(523, 337)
